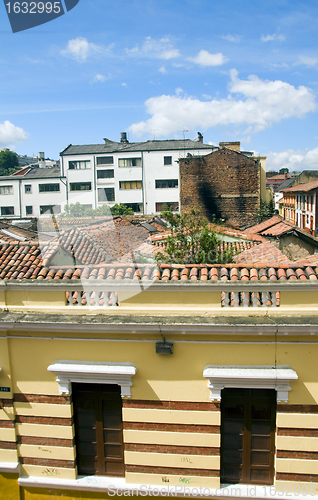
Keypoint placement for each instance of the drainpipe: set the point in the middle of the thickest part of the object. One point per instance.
(20, 204)
(142, 182)
(95, 180)
(66, 185)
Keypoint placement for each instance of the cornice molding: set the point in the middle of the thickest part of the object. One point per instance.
(93, 372)
(250, 377)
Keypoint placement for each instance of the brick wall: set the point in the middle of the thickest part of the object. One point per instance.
(225, 184)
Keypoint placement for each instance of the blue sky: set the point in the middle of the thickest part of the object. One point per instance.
(234, 70)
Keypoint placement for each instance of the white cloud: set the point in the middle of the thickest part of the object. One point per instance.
(160, 49)
(254, 103)
(10, 134)
(204, 58)
(307, 61)
(272, 38)
(99, 78)
(162, 70)
(232, 38)
(80, 49)
(124, 84)
(293, 159)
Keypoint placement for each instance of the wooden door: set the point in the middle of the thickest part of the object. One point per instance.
(98, 429)
(248, 419)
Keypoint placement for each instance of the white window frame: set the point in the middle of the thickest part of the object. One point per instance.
(7, 189)
(250, 377)
(93, 372)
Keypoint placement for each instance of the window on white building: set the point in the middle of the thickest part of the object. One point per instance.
(166, 183)
(46, 188)
(7, 210)
(105, 174)
(106, 194)
(160, 206)
(129, 162)
(6, 189)
(130, 184)
(167, 160)
(50, 209)
(28, 210)
(105, 160)
(27, 188)
(79, 165)
(80, 186)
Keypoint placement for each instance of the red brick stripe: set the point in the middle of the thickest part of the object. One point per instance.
(22, 419)
(145, 426)
(182, 450)
(171, 405)
(304, 455)
(43, 441)
(7, 445)
(7, 424)
(48, 462)
(41, 398)
(8, 403)
(282, 408)
(285, 476)
(146, 469)
(286, 431)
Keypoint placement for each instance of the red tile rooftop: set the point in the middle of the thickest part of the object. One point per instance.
(308, 186)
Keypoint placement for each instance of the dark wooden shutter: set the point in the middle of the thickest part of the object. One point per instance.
(248, 436)
(98, 429)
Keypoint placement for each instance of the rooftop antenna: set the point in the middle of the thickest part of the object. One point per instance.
(154, 133)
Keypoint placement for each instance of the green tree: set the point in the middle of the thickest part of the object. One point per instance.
(79, 210)
(9, 162)
(192, 241)
(121, 209)
(265, 211)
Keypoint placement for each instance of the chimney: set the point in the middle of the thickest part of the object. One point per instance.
(200, 137)
(123, 138)
(41, 155)
(235, 146)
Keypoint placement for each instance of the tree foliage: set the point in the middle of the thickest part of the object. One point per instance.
(121, 209)
(265, 211)
(9, 162)
(192, 241)
(79, 210)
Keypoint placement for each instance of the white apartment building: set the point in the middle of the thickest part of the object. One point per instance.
(32, 192)
(142, 175)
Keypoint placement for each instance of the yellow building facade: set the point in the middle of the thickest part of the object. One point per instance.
(183, 387)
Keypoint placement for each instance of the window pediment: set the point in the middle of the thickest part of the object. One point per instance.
(252, 377)
(93, 372)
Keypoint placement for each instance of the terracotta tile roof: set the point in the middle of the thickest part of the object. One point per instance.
(278, 177)
(264, 254)
(277, 226)
(308, 186)
(106, 241)
(22, 261)
(258, 228)
(277, 229)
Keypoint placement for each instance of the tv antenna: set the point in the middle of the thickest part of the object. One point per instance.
(154, 133)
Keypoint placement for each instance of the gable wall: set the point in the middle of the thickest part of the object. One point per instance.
(225, 184)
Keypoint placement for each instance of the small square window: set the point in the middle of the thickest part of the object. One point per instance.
(28, 188)
(28, 210)
(7, 210)
(167, 160)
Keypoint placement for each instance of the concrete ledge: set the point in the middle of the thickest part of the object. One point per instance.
(9, 467)
(118, 487)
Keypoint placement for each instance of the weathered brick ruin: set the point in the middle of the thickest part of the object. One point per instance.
(225, 184)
